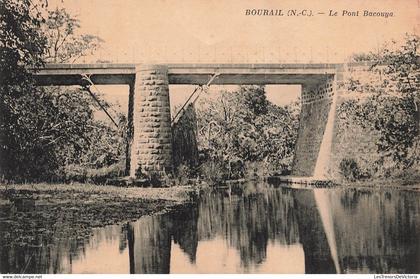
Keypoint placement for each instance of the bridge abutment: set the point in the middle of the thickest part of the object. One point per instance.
(151, 148)
(316, 106)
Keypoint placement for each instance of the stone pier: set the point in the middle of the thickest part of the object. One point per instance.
(151, 150)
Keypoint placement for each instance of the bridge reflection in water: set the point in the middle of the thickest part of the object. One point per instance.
(258, 228)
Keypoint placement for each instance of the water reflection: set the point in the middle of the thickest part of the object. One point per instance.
(253, 228)
(377, 231)
(101, 254)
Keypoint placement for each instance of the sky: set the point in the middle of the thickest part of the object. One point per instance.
(212, 31)
(220, 31)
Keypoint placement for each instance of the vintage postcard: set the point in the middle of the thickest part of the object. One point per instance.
(210, 137)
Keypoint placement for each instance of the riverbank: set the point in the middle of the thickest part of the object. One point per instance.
(399, 183)
(396, 184)
(35, 214)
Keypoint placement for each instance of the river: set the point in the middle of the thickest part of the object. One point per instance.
(256, 227)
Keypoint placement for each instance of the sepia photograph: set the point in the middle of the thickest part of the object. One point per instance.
(210, 137)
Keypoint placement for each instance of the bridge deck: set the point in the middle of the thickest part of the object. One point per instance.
(70, 74)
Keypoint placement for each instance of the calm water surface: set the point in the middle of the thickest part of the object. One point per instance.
(251, 228)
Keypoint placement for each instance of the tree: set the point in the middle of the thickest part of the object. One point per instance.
(83, 141)
(391, 105)
(403, 68)
(399, 65)
(393, 119)
(102, 144)
(64, 44)
(21, 47)
(45, 129)
(255, 99)
(244, 126)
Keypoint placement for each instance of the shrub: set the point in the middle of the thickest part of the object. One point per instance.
(183, 173)
(214, 172)
(254, 170)
(155, 179)
(158, 179)
(350, 170)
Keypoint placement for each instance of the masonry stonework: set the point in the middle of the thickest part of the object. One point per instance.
(347, 141)
(316, 103)
(151, 150)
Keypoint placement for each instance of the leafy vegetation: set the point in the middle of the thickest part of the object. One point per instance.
(21, 47)
(46, 132)
(350, 170)
(64, 44)
(51, 133)
(241, 128)
(390, 105)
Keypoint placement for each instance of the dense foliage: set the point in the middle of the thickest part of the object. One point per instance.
(239, 129)
(21, 47)
(45, 130)
(390, 105)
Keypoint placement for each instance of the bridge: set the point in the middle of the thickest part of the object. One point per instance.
(149, 108)
(69, 74)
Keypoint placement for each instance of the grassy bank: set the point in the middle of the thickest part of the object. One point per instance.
(36, 214)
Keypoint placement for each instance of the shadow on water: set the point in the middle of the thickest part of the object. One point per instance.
(248, 228)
